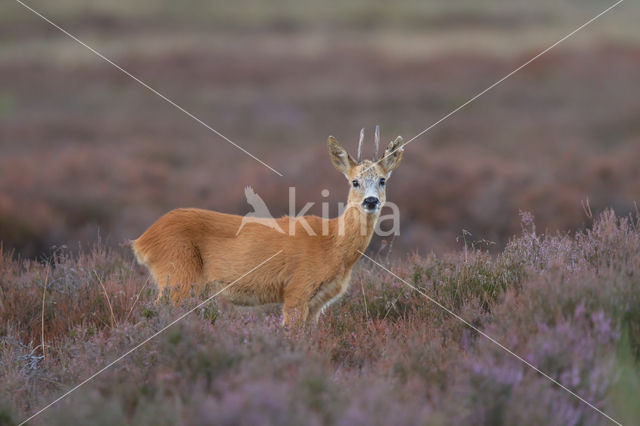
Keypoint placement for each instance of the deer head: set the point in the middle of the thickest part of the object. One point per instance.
(367, 178)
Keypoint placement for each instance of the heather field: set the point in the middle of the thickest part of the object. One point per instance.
(519, 213)
(383, 354)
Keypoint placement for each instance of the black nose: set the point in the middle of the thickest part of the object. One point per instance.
(371, 202)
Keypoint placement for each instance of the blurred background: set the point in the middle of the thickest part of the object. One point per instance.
(88, 153)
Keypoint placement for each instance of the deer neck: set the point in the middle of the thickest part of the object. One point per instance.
(353, 231)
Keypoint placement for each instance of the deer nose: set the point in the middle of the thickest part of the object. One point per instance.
(371, 203)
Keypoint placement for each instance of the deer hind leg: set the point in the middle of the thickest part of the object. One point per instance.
(181, 271)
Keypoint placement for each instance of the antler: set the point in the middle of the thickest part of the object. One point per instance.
(377, 141)
(360, 144)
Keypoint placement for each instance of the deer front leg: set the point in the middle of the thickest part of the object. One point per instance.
(296, 302)
(294, 313)
(326, 294)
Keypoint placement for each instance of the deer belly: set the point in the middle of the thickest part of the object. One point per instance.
(247, 295)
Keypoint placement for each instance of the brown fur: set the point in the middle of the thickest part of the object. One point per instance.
(194, 247)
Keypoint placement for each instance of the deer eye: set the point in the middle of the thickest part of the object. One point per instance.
(382, 181)
(355, 183)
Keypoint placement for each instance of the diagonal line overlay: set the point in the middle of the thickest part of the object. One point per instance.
(494, 341)
(401, 147)
(139, 345)
(475, 97)
(127, 73)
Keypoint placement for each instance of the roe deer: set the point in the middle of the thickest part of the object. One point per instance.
(193, 247)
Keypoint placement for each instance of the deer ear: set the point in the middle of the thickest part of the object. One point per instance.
(393, 155)
(340, 157)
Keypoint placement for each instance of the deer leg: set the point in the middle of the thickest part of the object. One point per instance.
(178, 282)
(294, 313)
(324, 296)
(161, 285)
(296, 301)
